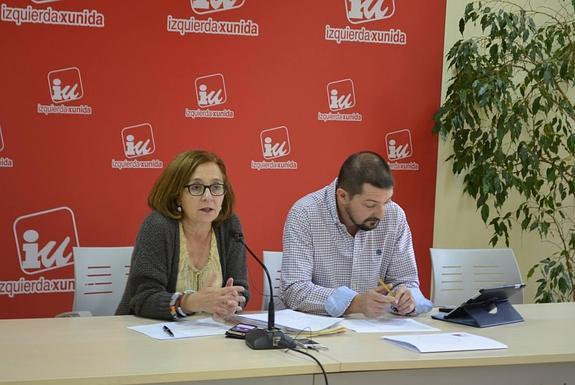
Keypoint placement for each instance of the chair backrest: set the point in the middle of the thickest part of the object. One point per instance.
(458, 274)
(273, 261)
(101, 274)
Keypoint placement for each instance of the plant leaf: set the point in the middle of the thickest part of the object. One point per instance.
(484, 212)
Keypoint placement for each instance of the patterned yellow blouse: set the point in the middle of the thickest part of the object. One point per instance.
(189, 277)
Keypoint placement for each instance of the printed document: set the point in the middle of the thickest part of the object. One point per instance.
(445, 342)
(293, 320)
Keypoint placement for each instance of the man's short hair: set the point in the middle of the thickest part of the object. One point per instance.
(364, 167)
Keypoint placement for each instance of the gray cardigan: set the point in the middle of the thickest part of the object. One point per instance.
(155, 259)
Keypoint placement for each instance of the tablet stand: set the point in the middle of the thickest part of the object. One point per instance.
(482, 314)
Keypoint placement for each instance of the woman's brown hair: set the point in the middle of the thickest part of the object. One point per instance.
(168, 188)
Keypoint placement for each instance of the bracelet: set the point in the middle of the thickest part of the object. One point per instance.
(179, 304)
(174, 304)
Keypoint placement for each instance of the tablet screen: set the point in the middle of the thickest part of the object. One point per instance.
(496, 293)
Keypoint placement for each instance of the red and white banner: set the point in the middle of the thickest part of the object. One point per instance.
(97, 97)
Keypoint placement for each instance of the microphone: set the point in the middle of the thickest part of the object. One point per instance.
(270, 338)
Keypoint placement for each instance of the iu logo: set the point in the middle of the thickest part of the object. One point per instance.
(341, 95)
(65, 85)
(138, 140)
(399, 144)
(363, 11)
(202, 7)
(275, 142)
(45, 239)
(211, 90)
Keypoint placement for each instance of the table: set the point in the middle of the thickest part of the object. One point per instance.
(541, 352)
(101, 350)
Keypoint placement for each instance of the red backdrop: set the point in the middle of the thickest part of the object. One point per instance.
(98, 96)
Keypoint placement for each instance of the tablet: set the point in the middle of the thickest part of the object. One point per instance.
(493, 294)
(490, 307)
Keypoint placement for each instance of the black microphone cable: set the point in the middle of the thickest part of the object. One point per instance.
(313, 358)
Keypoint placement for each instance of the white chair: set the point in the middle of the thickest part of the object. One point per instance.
(458, 274)
(101, 274)
(273, 261)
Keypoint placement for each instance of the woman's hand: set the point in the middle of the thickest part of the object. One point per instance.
(222, 302)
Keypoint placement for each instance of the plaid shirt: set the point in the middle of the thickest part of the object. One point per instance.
(324, 267)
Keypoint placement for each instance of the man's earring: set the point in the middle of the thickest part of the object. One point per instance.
(179, 208)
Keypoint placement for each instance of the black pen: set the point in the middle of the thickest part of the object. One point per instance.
(167, 330)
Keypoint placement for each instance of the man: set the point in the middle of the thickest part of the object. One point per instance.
(341, 240)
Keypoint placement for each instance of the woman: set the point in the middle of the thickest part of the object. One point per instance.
(186, 259)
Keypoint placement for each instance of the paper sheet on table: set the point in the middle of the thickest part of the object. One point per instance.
(384, 325)
(183, 329)
(294, 320)
(445, 342)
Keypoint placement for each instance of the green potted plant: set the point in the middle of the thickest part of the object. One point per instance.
(509, 115)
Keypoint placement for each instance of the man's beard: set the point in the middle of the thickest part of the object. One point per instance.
(367, 225)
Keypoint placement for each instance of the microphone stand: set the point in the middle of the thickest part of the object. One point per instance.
(270, 338)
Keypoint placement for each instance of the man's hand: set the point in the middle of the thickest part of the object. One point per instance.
(373, 303)
(404, 302)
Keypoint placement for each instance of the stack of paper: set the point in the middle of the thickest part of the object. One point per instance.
(386, 325)
(445, 342)
(294, 320)
(324, 332)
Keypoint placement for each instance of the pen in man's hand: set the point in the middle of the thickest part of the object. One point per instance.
(384, 285)
(167, 330)
(388, 293)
